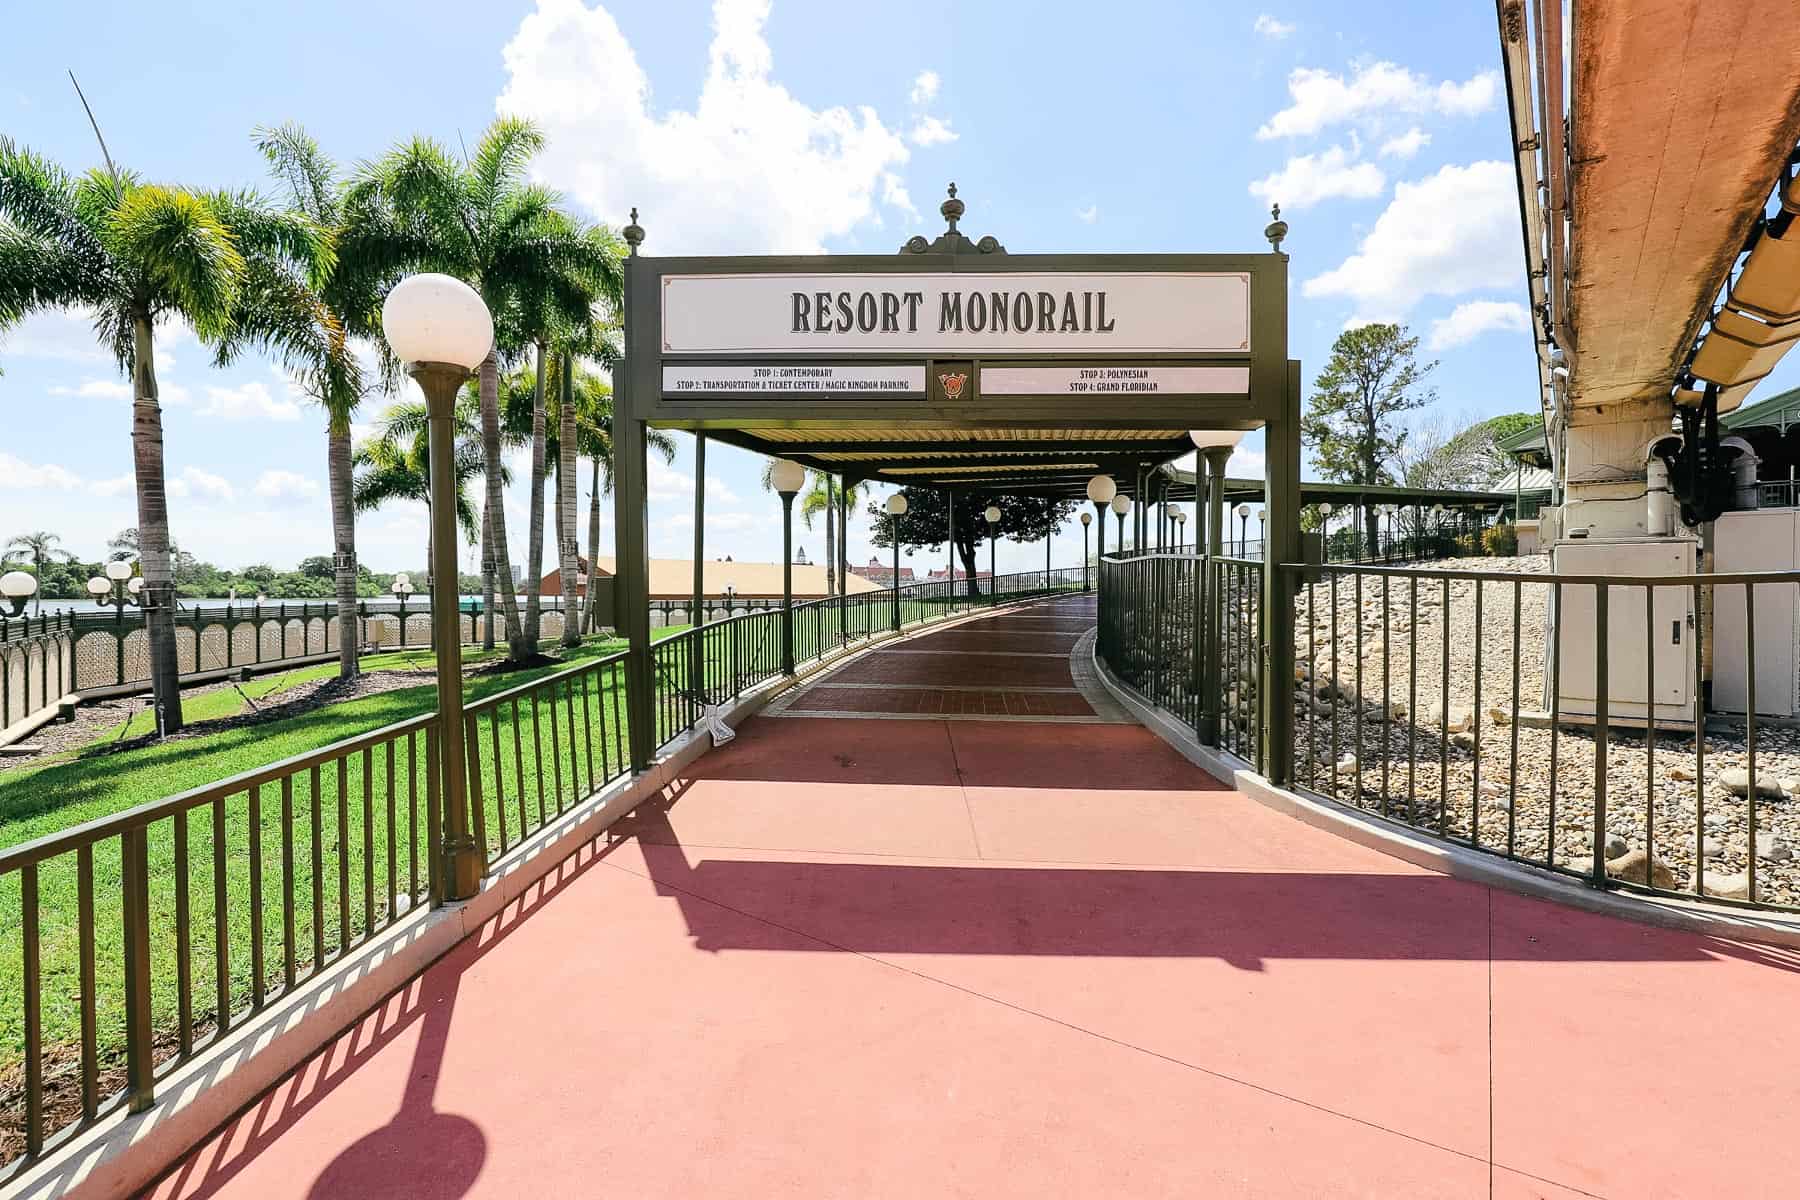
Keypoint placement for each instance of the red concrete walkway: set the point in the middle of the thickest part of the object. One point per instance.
(908, 957)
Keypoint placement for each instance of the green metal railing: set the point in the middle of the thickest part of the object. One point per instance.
(1186, 634)
(132, 942)
(1602, 727)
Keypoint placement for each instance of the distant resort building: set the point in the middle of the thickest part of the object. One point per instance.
(882, 575)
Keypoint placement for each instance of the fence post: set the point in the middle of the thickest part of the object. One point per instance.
(1601, 717)
(140, 1074)
(1281, 544)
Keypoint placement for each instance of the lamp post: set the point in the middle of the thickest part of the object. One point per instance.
(1087, 518)
(402, 589)
(1121, 506)
(16, 589)
(1325, 531)
(1100, 492)
(1243, 516)
(896, 508)
(118, 587)
(730, 593)
(993, 519)
(438, 326)
(1262, 532)
(1181, 529)
(787, 476)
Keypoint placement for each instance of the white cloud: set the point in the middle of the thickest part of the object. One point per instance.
(1088, 215)
(1272, 27)
(1322, 98)
(930, 131)
(119, 485)
(66, 335)
(670, 483)
(1407, 144)
(925, 87)
(750, 168)
(18, 475)
(1452, 232)
(247, 400)
(203, 485)
(99, 389)
(1310, 178)
(117, 389)
(286, 486)
(1469, 321)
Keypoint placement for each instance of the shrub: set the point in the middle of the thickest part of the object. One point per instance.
(1502, 540)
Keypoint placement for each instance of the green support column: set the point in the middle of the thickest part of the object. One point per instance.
(1281, 544)
(787, 583)
(1212, 676)
(631, 583)
(697, 602)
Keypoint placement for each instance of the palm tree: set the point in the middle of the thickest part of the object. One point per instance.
(531, 263)
(395, 463)
(373, 250)
(821, 495)
(137, 255)
(40, 548)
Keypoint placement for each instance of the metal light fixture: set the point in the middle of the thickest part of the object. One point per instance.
(786, 476)
(441, 329)
(896, 507)
(118, 587)
(993, 519)
(1101, 489)
(1121, 505)
(1206, 439)
(16, 589)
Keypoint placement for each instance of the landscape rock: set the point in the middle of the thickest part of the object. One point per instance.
(1772, 848)
(1615, 847)
(1635, 866)
(1728, 887)
(1499, 714)
(1736, 780)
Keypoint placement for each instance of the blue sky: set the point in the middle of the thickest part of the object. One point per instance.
(747, 126)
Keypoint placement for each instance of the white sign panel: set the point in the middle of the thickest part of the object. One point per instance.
(956, 313)
(794, 379)
(1123, 380)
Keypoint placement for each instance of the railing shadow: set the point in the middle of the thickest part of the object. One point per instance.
(387, 1160)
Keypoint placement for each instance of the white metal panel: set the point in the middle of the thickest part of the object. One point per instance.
(1630, 646)
(1764, 540)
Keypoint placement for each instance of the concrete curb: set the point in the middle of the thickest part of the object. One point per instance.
(1458, 862)
(123, 1153)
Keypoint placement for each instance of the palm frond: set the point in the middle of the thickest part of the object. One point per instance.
(310, 175)
(501, 157)
(183, 251)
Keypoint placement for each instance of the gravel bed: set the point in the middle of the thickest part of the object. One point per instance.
(1654, 801)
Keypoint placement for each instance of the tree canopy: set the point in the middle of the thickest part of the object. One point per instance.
(927, 518)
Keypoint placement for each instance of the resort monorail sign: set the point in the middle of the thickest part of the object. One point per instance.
(933, 314)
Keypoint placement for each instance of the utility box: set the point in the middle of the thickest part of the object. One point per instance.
(1766, 539)
(1631, 646)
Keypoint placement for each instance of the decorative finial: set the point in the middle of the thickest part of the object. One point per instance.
(633, 233)
(952, 209)
(1277, 229)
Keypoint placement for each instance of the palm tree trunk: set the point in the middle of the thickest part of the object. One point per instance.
(830, 541)
(343, 537)
(487, 579)
(566, 499)
(153, 529)
(844, 540)
(517, 649)
(591, 614)
(534, 554)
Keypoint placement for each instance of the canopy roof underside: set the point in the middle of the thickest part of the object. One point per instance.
(1023, 460)
(1683, 113)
